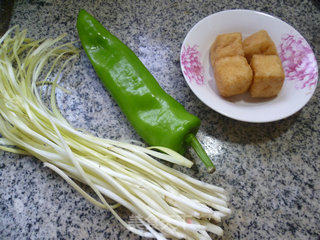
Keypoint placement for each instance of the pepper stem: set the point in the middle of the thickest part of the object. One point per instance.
(195, 144)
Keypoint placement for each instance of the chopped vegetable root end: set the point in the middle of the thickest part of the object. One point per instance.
(166, 202)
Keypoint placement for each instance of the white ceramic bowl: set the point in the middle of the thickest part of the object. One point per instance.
(297, 58)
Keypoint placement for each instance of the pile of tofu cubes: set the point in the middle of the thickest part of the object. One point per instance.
(252, 65)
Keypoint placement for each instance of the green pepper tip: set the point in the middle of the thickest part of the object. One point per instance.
(82, 11)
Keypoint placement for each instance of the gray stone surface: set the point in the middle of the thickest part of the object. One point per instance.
(271, 170)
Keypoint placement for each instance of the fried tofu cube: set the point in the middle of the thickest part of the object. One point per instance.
(268, 76)
(259, 43)
(226, 45)
(233, 75)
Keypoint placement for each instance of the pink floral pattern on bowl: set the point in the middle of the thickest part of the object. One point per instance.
(192, 68)
(298, 61)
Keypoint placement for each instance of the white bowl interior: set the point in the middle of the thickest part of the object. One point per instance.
(243, 107)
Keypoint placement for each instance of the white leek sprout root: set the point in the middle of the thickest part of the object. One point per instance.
(166, 202)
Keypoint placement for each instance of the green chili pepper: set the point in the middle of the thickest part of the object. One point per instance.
(156, 116)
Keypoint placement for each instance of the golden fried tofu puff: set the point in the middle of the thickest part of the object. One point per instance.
(259, 43)
(268, 76)
(226, 45)
(233, 75)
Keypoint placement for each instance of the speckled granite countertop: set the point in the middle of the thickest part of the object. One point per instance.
(271, 170)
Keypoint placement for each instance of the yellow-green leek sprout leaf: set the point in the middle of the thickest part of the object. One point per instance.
(165, 202)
